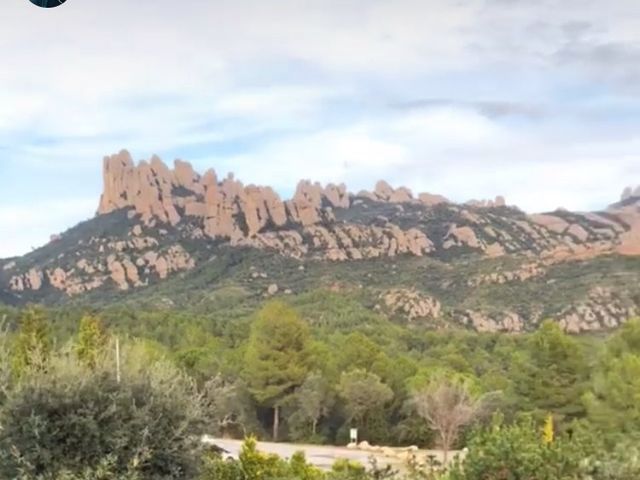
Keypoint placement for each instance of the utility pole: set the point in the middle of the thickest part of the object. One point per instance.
(117, 359)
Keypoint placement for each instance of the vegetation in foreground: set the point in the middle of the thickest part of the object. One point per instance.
(539, 406)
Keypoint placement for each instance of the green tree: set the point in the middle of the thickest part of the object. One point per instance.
(357, 351)
(314, 400)
(277, 357)
(552, 376)
(6, 369)
(32, 345)
(91, 340)
(363, 393)
(612, 403)
(625, 340)
(621, 463)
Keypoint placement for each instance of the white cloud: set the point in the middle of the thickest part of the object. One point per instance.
(299, 89)
(30, 225)
(331, 155)
(450, 151)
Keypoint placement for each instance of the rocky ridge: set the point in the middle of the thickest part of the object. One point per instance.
(154, 222)
(310, 223)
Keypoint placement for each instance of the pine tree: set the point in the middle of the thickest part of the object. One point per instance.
(32, 345)
(91, 340)
(276, 357)
(553, 376)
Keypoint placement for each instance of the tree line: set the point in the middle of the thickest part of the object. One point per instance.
(278, 374)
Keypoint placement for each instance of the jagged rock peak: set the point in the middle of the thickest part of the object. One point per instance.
(431, 199)
(499, 201)
(154, 190)
(630, 192)
(157, 192)
(146, 187)
(383, 192)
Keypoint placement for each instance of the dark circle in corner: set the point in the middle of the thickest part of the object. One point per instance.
(48, 3)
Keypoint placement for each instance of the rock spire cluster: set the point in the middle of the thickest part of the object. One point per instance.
(226, 207)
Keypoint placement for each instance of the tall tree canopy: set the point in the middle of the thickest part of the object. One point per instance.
(363, 393)
(32, 344)
(612, 404)
(552, 375)
(91, 341)
(277, 356)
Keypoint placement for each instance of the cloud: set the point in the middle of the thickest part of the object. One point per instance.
(29, 225)
(468, 99)
(452, 151)
(488, 108)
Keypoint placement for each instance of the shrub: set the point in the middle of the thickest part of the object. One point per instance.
(623, 463)
(517, 451)
(255, 465)
(68, 419)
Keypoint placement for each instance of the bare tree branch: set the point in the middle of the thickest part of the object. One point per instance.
(448, 407)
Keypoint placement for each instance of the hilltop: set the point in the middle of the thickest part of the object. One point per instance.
(176, 236)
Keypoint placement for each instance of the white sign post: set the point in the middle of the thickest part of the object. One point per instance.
(353, 434)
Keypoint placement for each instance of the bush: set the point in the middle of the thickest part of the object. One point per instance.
(104, 471)
(255, 465)
(623, 463)
(517, 451)
(70, 419)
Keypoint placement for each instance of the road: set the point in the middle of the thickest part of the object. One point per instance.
(320, 455)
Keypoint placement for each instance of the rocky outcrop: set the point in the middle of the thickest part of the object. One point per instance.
(311, 225)
(411, 304)
(601, 310)
(31, 280)
(506, 322)
(227, 209)
(253, 215)
(343, 242)
(147, 187)
(629, 242)
(499, 201)
(430, 199)
(523, 273)
(154, 221)
(461, 236)
(630, 192)
(125, 264)
(383, 192)
(550, 222)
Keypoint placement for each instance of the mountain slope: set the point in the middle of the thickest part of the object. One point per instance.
(177, 235)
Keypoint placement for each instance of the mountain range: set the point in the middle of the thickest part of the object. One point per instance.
(178, 236)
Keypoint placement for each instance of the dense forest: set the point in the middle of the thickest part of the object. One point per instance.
(306, 371)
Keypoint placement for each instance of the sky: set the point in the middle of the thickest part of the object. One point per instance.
(538, 101)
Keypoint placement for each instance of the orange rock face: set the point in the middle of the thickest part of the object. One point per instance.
(307, 224)
(430, 199)
(499, 201)
(228, 208)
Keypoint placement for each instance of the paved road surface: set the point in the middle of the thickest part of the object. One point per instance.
(320, 455)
